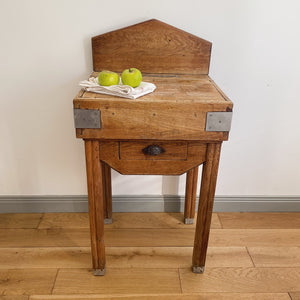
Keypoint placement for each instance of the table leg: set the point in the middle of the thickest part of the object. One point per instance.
(206, 200)
(106, 175)
(96, 209)
(190, 195)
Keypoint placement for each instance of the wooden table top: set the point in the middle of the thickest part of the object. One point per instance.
(172, 89)
(175, 110)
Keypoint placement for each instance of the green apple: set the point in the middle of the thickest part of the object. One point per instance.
(131, 77)
(107, 78)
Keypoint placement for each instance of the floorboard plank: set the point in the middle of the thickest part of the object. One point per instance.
(261, 220)
(117, 281)
(200, 296)
(242, 280)
(254, 237)
(149, 237)
(20, 220)
(275, 256)
(120, 257)
(295, 295)
(65, 220)
(15, 297)
(122, 220)
(26, 281)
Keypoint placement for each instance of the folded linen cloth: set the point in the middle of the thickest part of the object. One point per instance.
(120, 90)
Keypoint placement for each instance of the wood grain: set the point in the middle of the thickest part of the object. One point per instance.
(149, 238)
(20, 220)
(65, 220)
(96, 190)
(110, 154)
(275, 256)
(117, 281)
(157, 115)
(260, 220)
(120, 257)
(295, 295)
(122, 220)
(255, 237)
(154, 221)
(229, 273)
(107, 190)
(14, 297)
(151, 46)
(190, 193)
(29, 281)
(198, 296)
(242, 280)
(205, 206)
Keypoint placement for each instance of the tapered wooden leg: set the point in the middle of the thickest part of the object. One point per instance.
(106, 174)
(96, 211)
(190, 195)
(206, 200)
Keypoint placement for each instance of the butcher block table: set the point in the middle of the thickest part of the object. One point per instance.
(171, 131)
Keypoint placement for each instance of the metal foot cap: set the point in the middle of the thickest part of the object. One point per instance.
(99, 272)
(107, 221)
(198, 270)
(188, 221)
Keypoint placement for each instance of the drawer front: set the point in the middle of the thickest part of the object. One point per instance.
(153, 150)
(128, 157)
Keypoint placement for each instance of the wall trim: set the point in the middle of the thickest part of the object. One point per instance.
(146, 203)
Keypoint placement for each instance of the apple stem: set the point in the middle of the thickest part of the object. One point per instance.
(130, 70)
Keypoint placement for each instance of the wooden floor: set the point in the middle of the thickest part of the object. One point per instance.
(250, 256)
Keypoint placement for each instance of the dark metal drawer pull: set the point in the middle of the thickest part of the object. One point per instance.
(153, 150)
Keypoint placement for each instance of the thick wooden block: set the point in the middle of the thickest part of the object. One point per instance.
(177, 110)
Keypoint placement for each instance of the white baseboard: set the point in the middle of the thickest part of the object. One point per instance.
(146, 203)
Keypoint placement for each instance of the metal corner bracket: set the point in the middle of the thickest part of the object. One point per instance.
(87, 118)
(218, 121)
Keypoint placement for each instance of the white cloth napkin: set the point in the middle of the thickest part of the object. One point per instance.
(120, 90)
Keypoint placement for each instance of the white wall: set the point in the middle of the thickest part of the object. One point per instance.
(45, 51)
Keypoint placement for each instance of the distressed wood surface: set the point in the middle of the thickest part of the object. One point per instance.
(151, 46)
(175, 111)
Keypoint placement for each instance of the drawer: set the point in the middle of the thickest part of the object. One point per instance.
(128, 157)
(154, 150)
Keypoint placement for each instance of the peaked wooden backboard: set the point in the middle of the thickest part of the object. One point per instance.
(152, 47)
